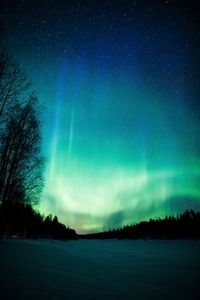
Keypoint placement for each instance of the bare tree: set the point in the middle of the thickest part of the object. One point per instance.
(20, 136)
(13, 83)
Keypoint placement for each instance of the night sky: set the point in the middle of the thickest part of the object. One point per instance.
(119, 83)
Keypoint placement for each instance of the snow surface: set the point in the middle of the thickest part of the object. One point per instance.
(110, 269)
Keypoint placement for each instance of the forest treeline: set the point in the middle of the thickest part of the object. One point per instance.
(22, 221)
(182, 226)
(19, 220)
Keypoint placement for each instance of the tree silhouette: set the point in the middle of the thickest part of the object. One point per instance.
(21, 161)
(20, 136)
(13, 84)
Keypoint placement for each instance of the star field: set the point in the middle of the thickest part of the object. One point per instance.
(119, 81)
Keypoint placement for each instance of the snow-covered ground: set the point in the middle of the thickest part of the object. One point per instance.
(37, 269)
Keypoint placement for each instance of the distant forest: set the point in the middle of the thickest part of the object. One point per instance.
(183, 226)
(22, 221)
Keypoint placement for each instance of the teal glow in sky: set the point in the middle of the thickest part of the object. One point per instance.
(119, 80)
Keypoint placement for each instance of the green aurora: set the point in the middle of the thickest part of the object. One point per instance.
(130, 158)
(119, 81)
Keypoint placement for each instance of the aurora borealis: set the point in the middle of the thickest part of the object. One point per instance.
(119, 83)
